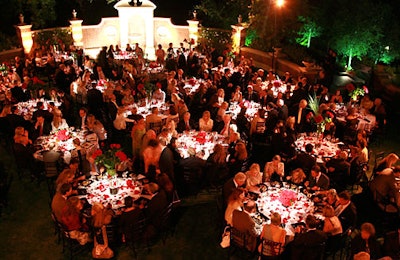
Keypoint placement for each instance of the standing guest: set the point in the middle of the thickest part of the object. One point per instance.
(318, 180)
(160, 55)
(137, 133)
(384, 187)
(274, 170)
(380, 112)
(366, 241)
(387, 162)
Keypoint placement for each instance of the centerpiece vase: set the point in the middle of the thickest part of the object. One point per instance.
(113, 182)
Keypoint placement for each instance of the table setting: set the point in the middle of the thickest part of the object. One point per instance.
(200, 142)
(323, 148)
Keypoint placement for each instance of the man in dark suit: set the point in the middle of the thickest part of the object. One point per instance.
(339, 171)
(283, 112)
(272, 118)
(304, 160)
(166, 161)
(346, 211)
(309, 244)
(41, 127)
(251, 95)
(186, 124)
(300, 111)
(318, 180)
(155, 208)
(42, 112)
(238, 181)
(81, 120)
(95, 101)
(242, 221)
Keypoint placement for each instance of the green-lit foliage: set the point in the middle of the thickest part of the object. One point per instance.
(216, 38)
(251, 35)
(310, 29)
(53, 37)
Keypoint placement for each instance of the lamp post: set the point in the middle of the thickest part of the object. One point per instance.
(279, 4)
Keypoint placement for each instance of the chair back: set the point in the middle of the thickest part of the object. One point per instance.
(238, 238)
(156, 126)
(271, 248)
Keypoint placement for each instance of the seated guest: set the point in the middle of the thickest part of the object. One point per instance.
(154, 209)
(41, 127)
(331, 198)
(130, 216)
(81, 120)
(243, 222)
(74, 222)
(94, 125)
(240, 159)
(366, 241)
(226, 127)
(306, 245)
(257, 128)
(274, 170)
(297, 177)
(339, 171)
(346, 211)
(238, 181)
(318, 180)
(42, 112)
(273, 232)
(186, 124)
(58, 122)
(158, 94)
(192, 172)
(254, 177)
(101, 217)
(384, 187)
(332, 227)
(235, 202)
(66, 176)
(153, 117)
(206, 123)
(59, 201)
(216, 168)
(387, 162)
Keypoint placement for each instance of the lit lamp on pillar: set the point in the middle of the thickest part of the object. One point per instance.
(237, 34)
(76, 28)
(26, 34)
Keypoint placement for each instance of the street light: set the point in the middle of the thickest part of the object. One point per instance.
(279, 4)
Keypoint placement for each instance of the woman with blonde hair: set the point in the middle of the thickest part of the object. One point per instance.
(386, 162)
(274, 170)
(297, 177)
(100, 218)
(254, 177)
(332, 225)
(205, 122)
(273, 232)
(66, 176)
(58, 122)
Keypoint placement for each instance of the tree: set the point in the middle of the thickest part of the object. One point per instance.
(310, 29)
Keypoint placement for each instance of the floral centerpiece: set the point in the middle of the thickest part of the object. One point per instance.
(63, 135)
(355, 92)
(287, 197)
(110, 158)
(4, 69)
(314, 116)
(201, 137)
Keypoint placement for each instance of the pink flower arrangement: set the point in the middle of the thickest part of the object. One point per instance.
(62, 135)
(287, 197)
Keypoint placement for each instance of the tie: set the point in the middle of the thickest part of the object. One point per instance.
(40, 130)
(299, 116)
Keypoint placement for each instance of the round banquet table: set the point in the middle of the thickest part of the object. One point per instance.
(291, 204)
(202, 142)
(322, 147)
(98, 191)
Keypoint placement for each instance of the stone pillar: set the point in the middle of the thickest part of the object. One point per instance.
(193, 29)
(76, 28)
(24, 31)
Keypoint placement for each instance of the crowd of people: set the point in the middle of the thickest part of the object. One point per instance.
(103, 96)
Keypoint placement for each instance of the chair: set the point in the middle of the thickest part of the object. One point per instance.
(156, 126)
(309, 252)
(270, 249)
(165, 226)
(51, 174)
(385, 203)
(242, 241)
(68, 243)
(137, 237)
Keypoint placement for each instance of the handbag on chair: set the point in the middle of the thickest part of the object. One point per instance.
(102, 251)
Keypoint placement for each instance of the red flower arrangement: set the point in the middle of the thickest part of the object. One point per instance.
(110, 158)
(287, 197)
(62, 135)
(201, 137)
(192, 81)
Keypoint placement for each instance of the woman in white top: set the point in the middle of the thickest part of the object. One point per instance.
(274, 170)
(58, 122)
(254, 177)
(206, 123)
(235, 201)
(332, 225)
